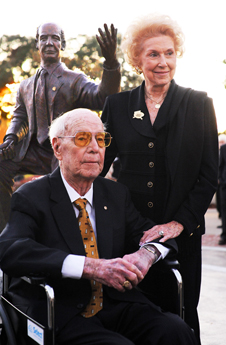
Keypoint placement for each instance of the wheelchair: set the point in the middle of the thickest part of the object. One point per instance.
(17, 328)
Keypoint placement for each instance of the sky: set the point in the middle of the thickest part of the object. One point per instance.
(203, 23)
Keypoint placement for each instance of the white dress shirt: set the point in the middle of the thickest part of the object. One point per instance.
(73, 264)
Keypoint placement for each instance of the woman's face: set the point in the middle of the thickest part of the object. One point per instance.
(158, 60)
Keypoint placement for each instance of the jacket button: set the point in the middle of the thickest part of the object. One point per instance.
(150, 184)
(150, 204)
(150, 145)
(151, 164)
(80, 306)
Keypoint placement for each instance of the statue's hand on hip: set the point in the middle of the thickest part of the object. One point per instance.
(7, 149)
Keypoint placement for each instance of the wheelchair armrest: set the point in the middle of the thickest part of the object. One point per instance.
(34, 280)
(40, 281)
(171, 263)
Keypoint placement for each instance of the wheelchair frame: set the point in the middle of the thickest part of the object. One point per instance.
(15, 322)
(48, 337)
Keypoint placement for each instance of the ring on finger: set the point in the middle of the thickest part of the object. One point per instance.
(126, 284)
(161, 233)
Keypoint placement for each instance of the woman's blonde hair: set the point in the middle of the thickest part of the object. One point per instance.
(148, 26)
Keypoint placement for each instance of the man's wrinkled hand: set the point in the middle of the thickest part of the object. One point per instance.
(142, 259)
(108, 44)
(112, 272)
(7, 150)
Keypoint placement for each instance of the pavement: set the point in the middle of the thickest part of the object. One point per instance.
(212, 304)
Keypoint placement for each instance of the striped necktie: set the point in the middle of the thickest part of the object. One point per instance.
(90, 245)
(41, 108)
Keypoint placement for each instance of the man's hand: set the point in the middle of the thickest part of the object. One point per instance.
(7, 149)
(142, 259)
(166, 231)
(108, 44)
(113, 272)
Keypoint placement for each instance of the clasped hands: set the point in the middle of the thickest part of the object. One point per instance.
(114, 272)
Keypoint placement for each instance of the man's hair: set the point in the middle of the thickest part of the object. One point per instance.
(62, 124)
(62, 37)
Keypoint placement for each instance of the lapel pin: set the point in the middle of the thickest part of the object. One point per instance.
(54, 88)
(105, 207)
(138, 115)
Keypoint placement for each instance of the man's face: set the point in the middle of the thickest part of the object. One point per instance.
(81, 163)
(49, 43)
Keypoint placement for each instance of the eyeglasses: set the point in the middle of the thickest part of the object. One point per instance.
(83, 139)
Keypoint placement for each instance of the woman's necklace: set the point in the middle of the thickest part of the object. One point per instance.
(157, 105)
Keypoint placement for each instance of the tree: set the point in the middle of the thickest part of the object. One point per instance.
(18, 59)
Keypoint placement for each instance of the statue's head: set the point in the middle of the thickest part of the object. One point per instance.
(50, 40)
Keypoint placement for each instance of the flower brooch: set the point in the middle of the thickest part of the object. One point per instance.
(138, 115)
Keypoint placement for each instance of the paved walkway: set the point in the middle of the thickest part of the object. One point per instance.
(212, 305)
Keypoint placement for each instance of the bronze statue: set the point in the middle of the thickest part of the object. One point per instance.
(52, 91)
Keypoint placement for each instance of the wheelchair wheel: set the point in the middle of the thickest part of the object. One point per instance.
(7, 336)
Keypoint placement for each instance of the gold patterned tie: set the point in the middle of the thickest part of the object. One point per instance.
(89, 240)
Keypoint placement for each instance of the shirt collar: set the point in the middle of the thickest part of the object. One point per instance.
(50, 69)
(73, 195)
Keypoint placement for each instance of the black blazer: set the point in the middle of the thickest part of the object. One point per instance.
(222, 166)
(191, 150)
(43, 230)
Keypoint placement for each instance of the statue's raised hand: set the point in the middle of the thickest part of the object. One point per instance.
(108, 44)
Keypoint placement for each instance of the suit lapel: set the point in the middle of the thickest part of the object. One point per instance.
(28, 94)
(136, 103)
(104, 229)
(64, 214)
(177, 116)
(55, 83)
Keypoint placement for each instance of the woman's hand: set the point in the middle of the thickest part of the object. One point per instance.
(166, 231)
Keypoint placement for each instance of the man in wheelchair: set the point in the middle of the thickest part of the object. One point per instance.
(51, 234)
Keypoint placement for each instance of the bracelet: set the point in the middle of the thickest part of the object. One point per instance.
(150, 249)
(111, 69)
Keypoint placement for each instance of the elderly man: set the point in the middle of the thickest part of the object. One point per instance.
(52, 91)
(82, 232)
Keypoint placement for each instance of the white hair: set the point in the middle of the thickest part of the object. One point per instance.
(62, 124)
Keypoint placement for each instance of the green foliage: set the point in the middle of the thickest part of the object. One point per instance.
(14, 52)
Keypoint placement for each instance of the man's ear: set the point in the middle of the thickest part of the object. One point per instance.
(36, 44)
(63, 45)
(56, 148)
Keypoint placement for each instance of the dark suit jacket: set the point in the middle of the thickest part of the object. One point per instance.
(43, 230)
(67, 90)
(222, 166)
(191, 151)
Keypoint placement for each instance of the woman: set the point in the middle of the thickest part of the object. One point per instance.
(166, 139)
